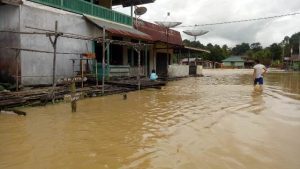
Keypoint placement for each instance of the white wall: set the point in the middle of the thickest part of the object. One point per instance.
(199, 70)
(9, 20)
(178, 70)
(40, 64)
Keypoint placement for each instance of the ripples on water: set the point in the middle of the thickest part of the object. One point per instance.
(209, 122)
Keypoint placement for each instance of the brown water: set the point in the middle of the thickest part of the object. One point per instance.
(214, 122)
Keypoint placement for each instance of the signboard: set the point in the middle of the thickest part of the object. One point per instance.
(69, 80)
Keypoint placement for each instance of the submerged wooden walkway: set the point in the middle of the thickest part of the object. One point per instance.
(41, 96)
(133, 83)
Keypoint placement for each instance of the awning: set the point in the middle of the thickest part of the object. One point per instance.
(118, 29)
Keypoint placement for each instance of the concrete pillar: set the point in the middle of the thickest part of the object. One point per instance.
(125, 55)
(125, 52)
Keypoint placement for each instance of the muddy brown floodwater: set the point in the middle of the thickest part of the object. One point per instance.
(213, 122)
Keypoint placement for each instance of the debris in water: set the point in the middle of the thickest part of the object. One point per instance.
(13, 112)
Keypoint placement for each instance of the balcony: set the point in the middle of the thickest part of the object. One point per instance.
(83, 7)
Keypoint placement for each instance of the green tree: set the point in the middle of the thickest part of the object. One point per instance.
(226, 51)
(294, 42)
(286, 46)
(265, 56)
(276, 51)
(240, 49)
(255, 47)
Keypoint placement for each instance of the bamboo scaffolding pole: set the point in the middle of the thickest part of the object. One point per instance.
(139, 68)
(40, 51)
(96, 72)
(81, 66)
(80, 37)
(103, 59)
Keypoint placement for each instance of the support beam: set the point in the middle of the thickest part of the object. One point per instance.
(103, 59)
(108, 59)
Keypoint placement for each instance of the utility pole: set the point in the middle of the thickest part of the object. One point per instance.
(139, 66)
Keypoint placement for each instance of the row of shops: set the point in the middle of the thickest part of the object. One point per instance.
(83, 44)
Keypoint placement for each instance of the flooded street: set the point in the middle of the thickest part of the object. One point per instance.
(212, 122)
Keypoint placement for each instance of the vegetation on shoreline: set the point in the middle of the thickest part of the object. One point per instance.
(270, 55)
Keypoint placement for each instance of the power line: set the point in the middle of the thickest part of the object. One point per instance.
(239, 21)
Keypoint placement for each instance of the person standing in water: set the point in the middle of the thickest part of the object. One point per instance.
(259, 71)
(153, 75)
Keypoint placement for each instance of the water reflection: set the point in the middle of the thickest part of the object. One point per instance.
(210, 122)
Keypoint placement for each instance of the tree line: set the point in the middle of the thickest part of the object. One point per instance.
(270, 55)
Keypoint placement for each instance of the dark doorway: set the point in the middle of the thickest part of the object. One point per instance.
(162, 64)
(116, 52)
(98, 51)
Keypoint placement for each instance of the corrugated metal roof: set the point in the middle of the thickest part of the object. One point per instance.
(118, 29)
(158, 33)
(234, 59)
(127, 3)
(196, 49)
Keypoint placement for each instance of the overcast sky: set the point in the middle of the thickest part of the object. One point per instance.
(191, 12)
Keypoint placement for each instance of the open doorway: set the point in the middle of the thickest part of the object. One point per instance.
(162, 62)
(116, 52)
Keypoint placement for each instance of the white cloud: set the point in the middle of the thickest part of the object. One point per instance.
(192, 12)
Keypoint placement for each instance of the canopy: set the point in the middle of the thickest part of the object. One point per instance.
(118, 29)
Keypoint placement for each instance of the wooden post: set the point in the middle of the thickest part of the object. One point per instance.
(73, 65)
(167, 50)
(54, 57)
(73, 97)
(17, 70)
(103, 59)
(132, 57)
(81, 66)
(96, 73)
(53, 42)
(139, 66)
(108, 60)
(146, 61)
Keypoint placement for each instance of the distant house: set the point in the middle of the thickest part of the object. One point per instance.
(234, 62)
(295, 62)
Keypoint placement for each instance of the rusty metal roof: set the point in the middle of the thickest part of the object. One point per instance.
(11, 2)
(159, 33)
(196, 49)
(117, 29)
(127, 3)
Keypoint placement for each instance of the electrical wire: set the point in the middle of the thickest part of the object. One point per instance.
(239, 21)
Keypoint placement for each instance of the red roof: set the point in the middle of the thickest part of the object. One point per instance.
(159, 33)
